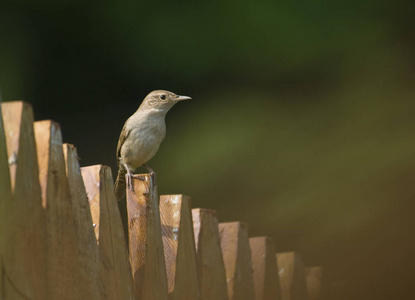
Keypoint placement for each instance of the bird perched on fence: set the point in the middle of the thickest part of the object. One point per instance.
(142, 135)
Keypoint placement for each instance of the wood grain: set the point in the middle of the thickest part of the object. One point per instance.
(5, 184)
(292, 276)
(85, 241)
(6, 194)
(264, 267)
(179, 247)
(24, 251)
(145, 242)
(114, 268)
(209, 260)
(63, 259)
(237, 259)
(314, 280)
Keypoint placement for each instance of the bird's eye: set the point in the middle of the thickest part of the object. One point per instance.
(163, 97)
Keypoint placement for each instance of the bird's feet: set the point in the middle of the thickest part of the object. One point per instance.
(150, 170)
(129, 179)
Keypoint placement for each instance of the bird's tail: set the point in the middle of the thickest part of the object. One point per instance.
(119, 187)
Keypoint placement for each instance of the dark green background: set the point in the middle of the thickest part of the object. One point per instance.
(301, 124)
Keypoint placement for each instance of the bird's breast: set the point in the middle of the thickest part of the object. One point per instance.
(142, 143)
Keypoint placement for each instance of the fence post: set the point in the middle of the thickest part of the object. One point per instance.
(264, 267)
(24, 252)
(237, 259)
(292, 276)
(209, 260)
(314, 280)
(86, 242)
(179, 247)
(63, 260)
(145, 242)
(114, 268)
(5, 200)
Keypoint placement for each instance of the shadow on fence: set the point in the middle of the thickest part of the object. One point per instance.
(61, 233)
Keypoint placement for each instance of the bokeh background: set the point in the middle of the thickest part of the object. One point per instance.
(301, 124)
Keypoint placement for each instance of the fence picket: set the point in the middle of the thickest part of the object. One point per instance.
(114, 268)
(85, 242)
(63, 266)
(5, 200)
(25, 251)
(237, 259)
(314, 280)
(292, 276)
(264, 267)
(179, 247)
(145, 242)
(210, 266)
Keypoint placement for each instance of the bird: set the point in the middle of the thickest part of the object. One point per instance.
(141, 136)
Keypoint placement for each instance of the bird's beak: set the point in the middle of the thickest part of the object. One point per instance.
(180, 98)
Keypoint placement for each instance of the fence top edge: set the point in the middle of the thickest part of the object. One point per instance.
(205, 210)
(262, 237)
(239, 223)
(46, 121)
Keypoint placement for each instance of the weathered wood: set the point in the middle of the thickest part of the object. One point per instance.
(179, 247)
(5, 184)
(145, 242)
(209, 260)
(24, 241)
(264, 267)
(5, 188)
(86, 242)
(13, 114)
(114, 269)
(237, 259)
(63, 259)
(314, 280)
(292, 276)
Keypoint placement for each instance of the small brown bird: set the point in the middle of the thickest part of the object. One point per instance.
(142, 135)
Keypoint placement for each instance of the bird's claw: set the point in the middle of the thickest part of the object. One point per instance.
(130, 181)
(129, 178)
(150, 170)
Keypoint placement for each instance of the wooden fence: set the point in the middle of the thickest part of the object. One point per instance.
(61, 233)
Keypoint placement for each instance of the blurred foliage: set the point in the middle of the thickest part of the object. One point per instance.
(301, 122)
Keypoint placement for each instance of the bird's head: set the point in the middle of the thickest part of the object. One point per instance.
(162, 100)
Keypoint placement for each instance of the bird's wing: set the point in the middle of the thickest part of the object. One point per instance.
(123, 136)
